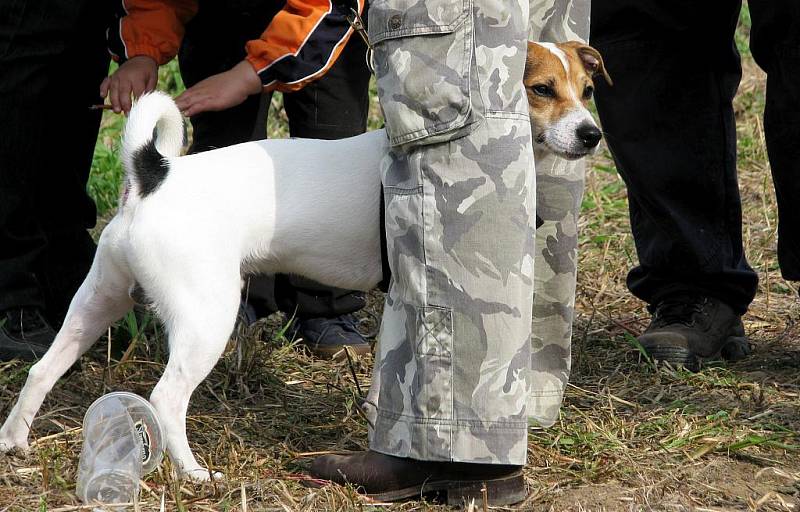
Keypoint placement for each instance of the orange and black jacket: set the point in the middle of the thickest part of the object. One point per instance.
(298, 46)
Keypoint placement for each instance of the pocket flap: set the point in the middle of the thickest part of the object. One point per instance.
(390, 19)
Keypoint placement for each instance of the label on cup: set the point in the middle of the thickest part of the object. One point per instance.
(144, 434)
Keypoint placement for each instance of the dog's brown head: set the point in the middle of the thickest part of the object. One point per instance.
(559, 83)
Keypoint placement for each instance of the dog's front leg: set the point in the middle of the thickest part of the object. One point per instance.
(101, 299)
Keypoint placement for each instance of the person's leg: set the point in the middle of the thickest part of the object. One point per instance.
(669, 123)
(559, 190)
(452, 371)
(775, 43)
(333, 107)
(46, 144)
(63, 206)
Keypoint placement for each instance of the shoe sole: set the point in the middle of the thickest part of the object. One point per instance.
(497, 492)
(734, 349)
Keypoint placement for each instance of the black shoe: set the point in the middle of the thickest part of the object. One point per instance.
(245, 317)
(387, 478)
(686, 329)
(24, 334)
(326, 338)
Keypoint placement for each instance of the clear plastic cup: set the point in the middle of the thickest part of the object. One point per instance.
(110, 465)
(145, 422)
(123, 440)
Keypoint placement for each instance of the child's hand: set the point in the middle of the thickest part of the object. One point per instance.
(220, 91)
(137, 75)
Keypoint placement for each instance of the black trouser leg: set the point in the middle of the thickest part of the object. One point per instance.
(775, 43)
(670, 126)
(333, 107)
(52, 59)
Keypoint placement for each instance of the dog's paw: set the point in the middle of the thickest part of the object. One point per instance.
(7, 445)
(201, 474)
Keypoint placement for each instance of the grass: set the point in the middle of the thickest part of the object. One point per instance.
(631, 436)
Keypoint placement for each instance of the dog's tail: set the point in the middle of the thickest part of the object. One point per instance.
(154, 133)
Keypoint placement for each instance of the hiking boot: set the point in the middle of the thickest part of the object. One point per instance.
(326, 338)
(686, 329)
(24, 334)
(388, 478)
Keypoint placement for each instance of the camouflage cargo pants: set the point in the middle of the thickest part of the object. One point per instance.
(453, 376)
(559, 192)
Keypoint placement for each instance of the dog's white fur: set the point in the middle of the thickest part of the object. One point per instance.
(307, 207)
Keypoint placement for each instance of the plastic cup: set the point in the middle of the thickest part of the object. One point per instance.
(110, 465)
(145, 422)
(123, 441)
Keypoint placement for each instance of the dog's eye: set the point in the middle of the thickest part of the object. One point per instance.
(587, 93)
(543, 90)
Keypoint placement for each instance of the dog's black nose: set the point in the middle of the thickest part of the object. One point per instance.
(589, 135)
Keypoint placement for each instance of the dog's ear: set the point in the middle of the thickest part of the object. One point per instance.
(591, 59)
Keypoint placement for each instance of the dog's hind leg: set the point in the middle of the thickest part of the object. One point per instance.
(101, 299)
(200, 317)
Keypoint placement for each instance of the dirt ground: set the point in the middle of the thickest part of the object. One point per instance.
(631, 436)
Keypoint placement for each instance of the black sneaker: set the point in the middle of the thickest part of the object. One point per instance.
(24, 334)
(326, 338)
(245, 317)
(686, 329)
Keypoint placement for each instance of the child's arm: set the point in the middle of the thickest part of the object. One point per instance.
(148, 34)
(301, 43)
(299, 46)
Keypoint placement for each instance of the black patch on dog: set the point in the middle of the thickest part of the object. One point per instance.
(539, 222)
(150, 168)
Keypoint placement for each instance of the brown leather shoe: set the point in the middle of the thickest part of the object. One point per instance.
(387, 478)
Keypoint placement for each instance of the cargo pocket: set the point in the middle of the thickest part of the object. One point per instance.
(423, 61)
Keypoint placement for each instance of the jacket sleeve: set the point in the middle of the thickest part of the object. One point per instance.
(149, 27)
(301, 43)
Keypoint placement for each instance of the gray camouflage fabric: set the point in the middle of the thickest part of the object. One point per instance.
(559, 192)
(452, 377)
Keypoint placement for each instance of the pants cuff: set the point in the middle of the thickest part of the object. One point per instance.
(500, 442)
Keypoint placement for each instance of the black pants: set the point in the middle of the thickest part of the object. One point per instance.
(333, 107)
(669, 122)
(52, 59)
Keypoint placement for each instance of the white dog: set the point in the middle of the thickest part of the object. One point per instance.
(189, 227)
